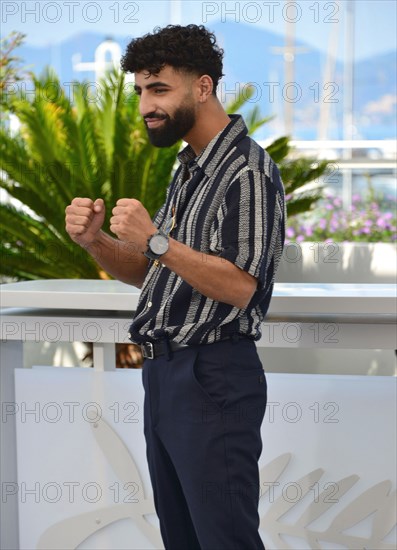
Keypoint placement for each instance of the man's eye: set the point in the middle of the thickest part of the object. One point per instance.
(159, 91)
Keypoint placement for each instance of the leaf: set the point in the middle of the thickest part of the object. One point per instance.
(279, 149)
(116, 452)
(282, 505)
(71, 532)
(244, 94)
(385, 517)
(378, 501)
(323, 502)
(270, 473)
(70, 147)
(361, 507)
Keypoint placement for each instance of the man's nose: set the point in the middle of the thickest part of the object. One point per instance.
(146, 105)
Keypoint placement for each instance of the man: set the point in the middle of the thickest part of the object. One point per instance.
(206, 266)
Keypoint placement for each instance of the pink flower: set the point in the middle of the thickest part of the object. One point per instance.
(356, 198)
(337, 202)
(290, 233)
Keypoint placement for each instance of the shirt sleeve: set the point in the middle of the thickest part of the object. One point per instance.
(248, 224)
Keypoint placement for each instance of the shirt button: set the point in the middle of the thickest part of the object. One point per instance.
(149, 304)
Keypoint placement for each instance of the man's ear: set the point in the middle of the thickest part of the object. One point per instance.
(205, 87)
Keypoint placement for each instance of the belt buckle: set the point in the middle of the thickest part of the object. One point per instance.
(147, 350)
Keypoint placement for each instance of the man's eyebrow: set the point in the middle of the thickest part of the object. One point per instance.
(156, 84)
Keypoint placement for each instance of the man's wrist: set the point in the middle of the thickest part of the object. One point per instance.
(157, 245)
(93, 243)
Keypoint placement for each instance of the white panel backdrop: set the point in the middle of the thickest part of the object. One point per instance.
(328, 467)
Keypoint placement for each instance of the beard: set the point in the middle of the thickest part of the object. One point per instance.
(173, 128)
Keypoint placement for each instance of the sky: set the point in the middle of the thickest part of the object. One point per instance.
(49, 22)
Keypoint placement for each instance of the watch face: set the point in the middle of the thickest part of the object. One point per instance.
(159, 244)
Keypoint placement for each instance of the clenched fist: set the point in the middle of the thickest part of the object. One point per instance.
(84, 219)
(131, 222)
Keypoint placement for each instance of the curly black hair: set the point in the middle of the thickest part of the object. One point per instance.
(191, 48)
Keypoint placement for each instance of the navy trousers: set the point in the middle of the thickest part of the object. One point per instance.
(203, 410)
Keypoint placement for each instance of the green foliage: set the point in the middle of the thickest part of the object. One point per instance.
(66, 149)
(253, 118)
(85, 146)
(296, 174)
(10, 72)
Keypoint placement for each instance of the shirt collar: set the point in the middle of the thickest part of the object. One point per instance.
(217, 148)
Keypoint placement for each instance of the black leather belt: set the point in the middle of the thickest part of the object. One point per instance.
(151, 350)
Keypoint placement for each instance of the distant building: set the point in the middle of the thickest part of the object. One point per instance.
(107, 55)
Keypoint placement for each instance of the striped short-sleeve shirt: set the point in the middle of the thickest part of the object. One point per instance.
(228, 201)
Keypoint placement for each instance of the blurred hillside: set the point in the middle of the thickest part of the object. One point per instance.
(250, 56)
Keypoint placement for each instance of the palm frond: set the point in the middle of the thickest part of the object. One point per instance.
(254, 120)
(302, 202)
(70, 145)
(243, 95)
(279, 149)
(299, 172)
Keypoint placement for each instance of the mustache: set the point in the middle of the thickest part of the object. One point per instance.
(154, 115)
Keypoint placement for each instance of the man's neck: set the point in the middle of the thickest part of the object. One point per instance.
(211, 119)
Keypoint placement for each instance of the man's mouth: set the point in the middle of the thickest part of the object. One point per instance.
(154, 121)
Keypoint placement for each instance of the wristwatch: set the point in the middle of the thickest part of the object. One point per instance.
(157, 245)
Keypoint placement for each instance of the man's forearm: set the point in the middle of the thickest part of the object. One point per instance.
(212, 276)
(120, 259)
